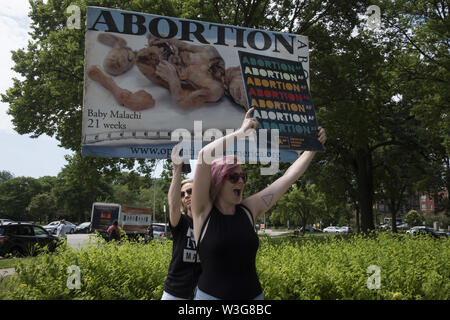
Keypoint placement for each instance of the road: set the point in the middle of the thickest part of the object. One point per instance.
(77, 241)
(272, 233)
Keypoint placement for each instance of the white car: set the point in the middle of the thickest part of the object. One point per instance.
(6, 221)
(332, 229)
(415, 229)
(69, 227)
(345, 229)
(160, 231)
(403, 225)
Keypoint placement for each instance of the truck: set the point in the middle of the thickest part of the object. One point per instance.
(135, 221)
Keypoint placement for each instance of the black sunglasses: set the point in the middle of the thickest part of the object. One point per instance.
(188, 191)
(234, 177)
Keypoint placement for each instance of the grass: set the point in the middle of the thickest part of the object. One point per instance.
(12, 262)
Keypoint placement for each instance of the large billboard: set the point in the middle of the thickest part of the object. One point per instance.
(148, 75)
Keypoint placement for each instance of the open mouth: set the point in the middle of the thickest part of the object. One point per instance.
(237, 192)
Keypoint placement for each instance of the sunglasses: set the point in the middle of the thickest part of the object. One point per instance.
(234, 177)
(188, 191)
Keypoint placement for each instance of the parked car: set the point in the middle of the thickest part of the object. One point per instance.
(402, 225)
(345, 229)
(331, 229)
(415, 229)
(160, 231)
(68, 226)
(6, 221)
(84, 227)
(384, 225)
(309, 229)
(19, 239)
(427, 230)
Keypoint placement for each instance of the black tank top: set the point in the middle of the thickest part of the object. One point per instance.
(228, 252)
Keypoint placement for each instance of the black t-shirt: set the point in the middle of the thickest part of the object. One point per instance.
(184, 268)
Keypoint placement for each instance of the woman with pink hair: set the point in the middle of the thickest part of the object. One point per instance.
(224, 222)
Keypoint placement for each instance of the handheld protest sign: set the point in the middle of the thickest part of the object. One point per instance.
(150, 77)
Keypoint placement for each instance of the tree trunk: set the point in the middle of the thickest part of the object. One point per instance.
(358, 227)
(394, 220)
(364, 179)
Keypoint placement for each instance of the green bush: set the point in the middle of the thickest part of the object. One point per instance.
(131, 270)
(414, 218)
(411, 267)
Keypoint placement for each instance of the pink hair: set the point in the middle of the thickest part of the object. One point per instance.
(219, 168)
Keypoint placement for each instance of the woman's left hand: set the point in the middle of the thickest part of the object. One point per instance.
(322, 135)
(249, 124)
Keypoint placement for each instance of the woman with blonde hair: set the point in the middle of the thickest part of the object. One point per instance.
(184, 268)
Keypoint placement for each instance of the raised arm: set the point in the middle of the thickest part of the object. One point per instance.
(174, 196)
(262, 201)
(201, 202)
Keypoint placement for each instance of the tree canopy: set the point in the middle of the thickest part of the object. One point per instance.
(380, 93)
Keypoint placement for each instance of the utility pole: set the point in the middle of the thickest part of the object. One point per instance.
(154, 198)
(154, 191)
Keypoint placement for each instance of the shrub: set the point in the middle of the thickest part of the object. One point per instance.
(131, 270)
(333, 267)
(414, 218)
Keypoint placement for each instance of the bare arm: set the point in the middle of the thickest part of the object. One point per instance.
(262, 201)
(174, 196)
(202, 179)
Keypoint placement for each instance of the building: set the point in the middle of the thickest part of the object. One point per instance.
(425, 203)
(428, 204)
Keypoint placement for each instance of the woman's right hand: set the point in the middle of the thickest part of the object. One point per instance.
(249, 124)
(177, 160)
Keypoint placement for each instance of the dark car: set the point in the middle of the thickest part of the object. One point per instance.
(427, 230)
(19, 239)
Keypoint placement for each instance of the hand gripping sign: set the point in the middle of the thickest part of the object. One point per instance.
(148, 76)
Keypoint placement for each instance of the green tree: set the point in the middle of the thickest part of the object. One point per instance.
(155, 198)
(419, 32)
(78, 185)
(15, 196)
(42, 208)
(300, 206)
(414, 218)
(370, 88)
(5, 175)
(397, 175)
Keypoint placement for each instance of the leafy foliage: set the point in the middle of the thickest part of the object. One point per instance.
(411, 268)
(379, 93)
(414, 218)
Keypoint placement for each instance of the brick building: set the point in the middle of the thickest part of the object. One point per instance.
(424, 203)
